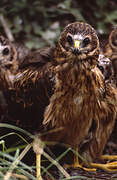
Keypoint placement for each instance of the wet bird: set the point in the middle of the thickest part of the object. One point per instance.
(70, 75)
(82, 98)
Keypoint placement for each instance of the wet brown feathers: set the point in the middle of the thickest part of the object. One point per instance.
(36, 76)
(81, 97)
(34, 84)
(25, 80)
(67, 81)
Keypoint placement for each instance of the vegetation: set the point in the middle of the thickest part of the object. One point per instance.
(38, 23)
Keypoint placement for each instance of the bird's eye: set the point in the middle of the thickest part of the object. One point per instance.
(101, 68)
(86, 41)
(5, 51)
(69, 39)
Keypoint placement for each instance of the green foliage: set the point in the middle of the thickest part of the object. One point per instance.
(38, 23)
(12, 165)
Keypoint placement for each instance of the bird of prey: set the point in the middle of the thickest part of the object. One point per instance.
(82, 98)
(11, 54)
(110, 50)
(35, 83)
(80, 95)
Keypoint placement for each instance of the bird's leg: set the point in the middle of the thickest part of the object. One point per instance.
(76, 163)
(109, 157)
(38, 149)
(111, 166)
(76, 160)
(38, 165)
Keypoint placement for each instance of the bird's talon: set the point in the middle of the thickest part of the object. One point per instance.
(110, 167)
(79, 166)
(109, 157)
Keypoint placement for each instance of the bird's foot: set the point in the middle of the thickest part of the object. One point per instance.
(77, 165)
(109, 157)
(110, 167)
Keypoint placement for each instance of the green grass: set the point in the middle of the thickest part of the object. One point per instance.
(11, 165)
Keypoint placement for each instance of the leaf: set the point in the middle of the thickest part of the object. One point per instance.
(65, 5)
(77, 14)
(18, 24)
(101, 3)
(36, 28)
(109, 17)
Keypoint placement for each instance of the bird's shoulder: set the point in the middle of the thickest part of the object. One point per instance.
(37, 58)
(21, 49)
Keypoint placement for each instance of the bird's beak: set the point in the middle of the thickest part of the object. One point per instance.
(77, 44)
(76, 47)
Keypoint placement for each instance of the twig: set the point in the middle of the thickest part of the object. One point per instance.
(6, 28)
(20, 176)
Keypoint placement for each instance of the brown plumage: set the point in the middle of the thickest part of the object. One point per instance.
(105, 65)
(82, 98)
(34, 84)
(11, 55)
(110, 50)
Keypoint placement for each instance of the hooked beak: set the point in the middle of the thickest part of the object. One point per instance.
(76, 47)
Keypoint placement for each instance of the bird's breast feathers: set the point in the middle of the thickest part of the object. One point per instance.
(77, 92)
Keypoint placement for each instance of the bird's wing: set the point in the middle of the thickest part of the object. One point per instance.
(38, 57)
(36, 77)
(22, 51)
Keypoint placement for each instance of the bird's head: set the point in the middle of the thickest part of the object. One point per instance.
(113, 39)
(79, 41)
(6, 52)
